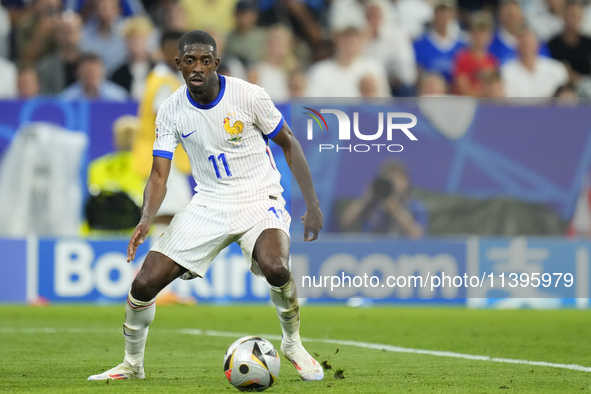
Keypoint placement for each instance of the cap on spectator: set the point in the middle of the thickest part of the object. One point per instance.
(137, 25)
(245, 5)
(445, 3)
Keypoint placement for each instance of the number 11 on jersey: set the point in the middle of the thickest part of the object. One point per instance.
(222, 158)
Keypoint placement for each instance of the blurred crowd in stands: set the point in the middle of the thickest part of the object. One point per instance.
(105, 49)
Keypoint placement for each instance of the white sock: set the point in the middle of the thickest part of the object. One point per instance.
(138, 316)
(285, 299)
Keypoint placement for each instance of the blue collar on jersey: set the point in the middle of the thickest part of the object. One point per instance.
(214, 102)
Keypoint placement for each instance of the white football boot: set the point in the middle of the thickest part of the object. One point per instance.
(121, 371)
(307, 367)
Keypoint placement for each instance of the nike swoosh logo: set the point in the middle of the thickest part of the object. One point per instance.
(186, 135)
(289, 318)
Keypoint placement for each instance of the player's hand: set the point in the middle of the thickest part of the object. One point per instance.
(313, 222)
(138, 237)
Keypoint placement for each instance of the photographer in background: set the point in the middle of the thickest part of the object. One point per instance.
(386, 206)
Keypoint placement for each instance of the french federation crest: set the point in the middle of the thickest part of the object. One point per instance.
(235, 130)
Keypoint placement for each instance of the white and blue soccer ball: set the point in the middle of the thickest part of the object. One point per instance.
(251, 364)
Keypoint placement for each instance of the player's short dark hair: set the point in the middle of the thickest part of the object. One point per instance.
(197, 37)
(170, 36)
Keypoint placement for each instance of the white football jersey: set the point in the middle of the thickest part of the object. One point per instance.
(226, 141)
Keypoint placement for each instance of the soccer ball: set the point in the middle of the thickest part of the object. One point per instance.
(251, 364)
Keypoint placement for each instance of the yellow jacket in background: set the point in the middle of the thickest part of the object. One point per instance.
(161, 83)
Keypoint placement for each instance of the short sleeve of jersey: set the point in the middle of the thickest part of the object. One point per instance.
(266, 117)
(166, 139)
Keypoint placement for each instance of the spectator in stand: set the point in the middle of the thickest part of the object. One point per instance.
(392, 47)
(210, 14)
(86, 8)
(103, 34)
(297, 84)
(35, 31)
(247, 40)
(27, 83)
(272, 74)
(229, 65)
(436, 49)
(492, 84)
(166, 16)
(132, 75)
(431, 84)
(411, 15)
(114, 171)
(368, 87)
(567, 95)
(570, 47)
(8, 82)
(532, 75)
(476, 59)
(511, 20)
(341, 75)
(5, 29)
(91, 84)
(586, 23)
(304, 18)
(545, 18)
(567, 90)
(175, 18)
(116, 190)
(58, 70)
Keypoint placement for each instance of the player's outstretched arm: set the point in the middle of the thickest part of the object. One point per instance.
(313, 219)
(153, 196)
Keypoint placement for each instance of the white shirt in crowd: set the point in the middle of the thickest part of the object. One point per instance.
(543, 81)
(329, 79)
(543, 23)
(412, 16)
(5, 27)
(274, 80)
(9, 74)
(393, 48)
(139, 73)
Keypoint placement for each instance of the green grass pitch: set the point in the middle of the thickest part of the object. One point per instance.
(54, 349)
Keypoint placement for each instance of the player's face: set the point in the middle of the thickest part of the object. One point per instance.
(198, 63)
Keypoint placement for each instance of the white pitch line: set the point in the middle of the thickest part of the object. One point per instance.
(397, 349)
(365, 345)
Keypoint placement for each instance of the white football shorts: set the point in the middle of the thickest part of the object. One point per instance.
(198, 233)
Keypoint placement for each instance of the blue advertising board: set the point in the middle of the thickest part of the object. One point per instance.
(478, 272)
(531, 272)
(13, 270)
(83, 270)
(322, 269)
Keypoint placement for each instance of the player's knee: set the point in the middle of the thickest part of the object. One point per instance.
(276, 273)
(141, 289)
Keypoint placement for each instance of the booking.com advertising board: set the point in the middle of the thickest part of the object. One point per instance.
(478, 272)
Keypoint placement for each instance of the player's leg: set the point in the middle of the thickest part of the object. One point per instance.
(156, 273)
(271, 252)
(178, 196)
